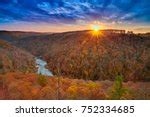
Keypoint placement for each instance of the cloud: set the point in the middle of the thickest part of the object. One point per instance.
(71, 11)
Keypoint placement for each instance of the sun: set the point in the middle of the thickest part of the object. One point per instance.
(95, 28)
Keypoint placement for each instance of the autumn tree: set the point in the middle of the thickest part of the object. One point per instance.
(118, 90)
(42, 80)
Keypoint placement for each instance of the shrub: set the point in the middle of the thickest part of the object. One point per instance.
(13, 90)
(117, 90)
(72, 92)
(47, 93)
(42, 80)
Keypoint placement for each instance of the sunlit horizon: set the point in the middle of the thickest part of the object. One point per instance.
(56, 28)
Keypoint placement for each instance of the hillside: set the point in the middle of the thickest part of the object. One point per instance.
(39, 87)
(12, 36)
(14, 59)
(84, 55)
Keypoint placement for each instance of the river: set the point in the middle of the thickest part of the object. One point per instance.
(41, 65)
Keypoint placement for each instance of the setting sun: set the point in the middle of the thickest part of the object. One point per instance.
(96, 28)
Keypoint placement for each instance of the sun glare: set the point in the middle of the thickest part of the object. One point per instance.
(96, 28)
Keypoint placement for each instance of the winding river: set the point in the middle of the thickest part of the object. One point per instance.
(41, 65)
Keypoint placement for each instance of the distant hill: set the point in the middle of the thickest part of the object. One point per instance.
(14, 35)
(145, 35)
(14, 59)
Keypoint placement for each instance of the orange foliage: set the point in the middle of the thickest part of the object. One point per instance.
(26, 86)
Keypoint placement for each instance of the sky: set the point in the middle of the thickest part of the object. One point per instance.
(69, 15)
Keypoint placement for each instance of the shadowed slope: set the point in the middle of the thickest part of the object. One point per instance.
(15, 59)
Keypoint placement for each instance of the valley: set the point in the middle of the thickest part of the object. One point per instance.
(74, 65)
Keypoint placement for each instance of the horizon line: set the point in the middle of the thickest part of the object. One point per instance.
(26, 31)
